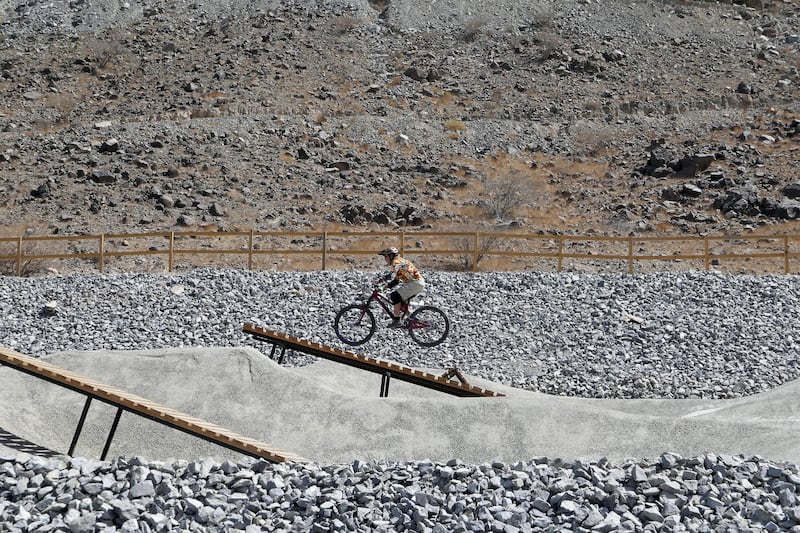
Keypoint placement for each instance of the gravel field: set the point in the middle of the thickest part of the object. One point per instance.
(677, 335)
(671, 493)
(666, 335)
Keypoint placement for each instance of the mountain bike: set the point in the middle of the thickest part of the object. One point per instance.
(355, 323)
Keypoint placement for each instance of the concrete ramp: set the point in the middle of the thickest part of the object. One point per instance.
(123, 401)
(329, 413)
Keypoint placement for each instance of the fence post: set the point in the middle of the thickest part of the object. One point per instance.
(705, 253)
(19, 256)
(785, 254)
(250, 251)
(560, 252)
(402, 242)
(630, 255)
(324, 249)
(171, 250)
(475, 251)
(102, 250)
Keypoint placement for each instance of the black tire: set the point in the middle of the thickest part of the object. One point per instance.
(354, 324)
(434, 326)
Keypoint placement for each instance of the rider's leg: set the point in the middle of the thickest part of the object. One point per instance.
(406, 291)
(397, 312)
(397, 300)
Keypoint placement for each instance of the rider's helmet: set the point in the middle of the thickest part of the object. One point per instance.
(390, 252)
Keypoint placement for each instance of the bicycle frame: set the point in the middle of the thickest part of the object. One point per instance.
(386, 304)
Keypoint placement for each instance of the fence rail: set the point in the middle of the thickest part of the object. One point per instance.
(473, 251)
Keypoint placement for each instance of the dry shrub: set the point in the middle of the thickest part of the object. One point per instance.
(344, 24)
(27, 266)
(453, 124)
(516, 42)
(472, 256)
(473, 28)
(205, 112)
(427, 38)
(591, 138)
(545, 34)
(445, 99)
(503, 194)
(64, 104)
(398, 103)
(379, 5)
(398, 142)
(593, 105)
(107, 52)
(549, 44)
(346, 108)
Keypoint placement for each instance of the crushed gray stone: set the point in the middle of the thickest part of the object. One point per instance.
(661, 335)
(671, 493)
(666, 335)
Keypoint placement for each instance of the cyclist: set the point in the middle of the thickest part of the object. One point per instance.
(406, 277)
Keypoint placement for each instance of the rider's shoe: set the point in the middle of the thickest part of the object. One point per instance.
(395, 323)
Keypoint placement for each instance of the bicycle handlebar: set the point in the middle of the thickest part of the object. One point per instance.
(379, 282)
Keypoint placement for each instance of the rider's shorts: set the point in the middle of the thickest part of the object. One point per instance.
(409, 289)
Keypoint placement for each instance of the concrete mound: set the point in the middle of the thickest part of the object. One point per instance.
(331, 413)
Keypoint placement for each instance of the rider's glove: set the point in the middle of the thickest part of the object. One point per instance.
(392, 284)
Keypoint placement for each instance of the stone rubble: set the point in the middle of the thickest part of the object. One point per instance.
(670, 493)
(660, 335)
(667, 335)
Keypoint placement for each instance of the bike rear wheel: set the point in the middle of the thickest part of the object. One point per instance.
(428, 326)
(354, 324)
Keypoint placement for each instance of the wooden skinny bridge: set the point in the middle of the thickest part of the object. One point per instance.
(386, 369)
(125, 401)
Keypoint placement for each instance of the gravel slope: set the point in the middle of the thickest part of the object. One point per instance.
(661, 335)
(277, 114)
(667, 335)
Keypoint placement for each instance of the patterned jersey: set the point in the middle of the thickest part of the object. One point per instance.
(404, 271)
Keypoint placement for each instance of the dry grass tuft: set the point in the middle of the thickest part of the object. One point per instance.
(453, 124)
(473, 28)
(64, 105)
(12, 263)
(345, 24)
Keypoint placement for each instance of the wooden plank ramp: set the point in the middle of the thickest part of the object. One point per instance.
(425, 379)
(143, 407)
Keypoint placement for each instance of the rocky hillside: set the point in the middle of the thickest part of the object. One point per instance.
(568, 117)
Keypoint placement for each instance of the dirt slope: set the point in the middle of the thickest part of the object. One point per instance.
(565, 117)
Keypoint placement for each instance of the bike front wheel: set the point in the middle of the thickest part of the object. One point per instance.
(354, 324)
(428, 326)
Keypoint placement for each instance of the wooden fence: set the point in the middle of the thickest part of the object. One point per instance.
(469, 251)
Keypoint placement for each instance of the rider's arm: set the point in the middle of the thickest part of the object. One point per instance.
(393, 276)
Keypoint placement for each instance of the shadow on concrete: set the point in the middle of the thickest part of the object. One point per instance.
(18, 443)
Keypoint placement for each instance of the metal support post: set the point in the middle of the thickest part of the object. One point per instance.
(111, 434)
(385, 384)
(80, 425)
